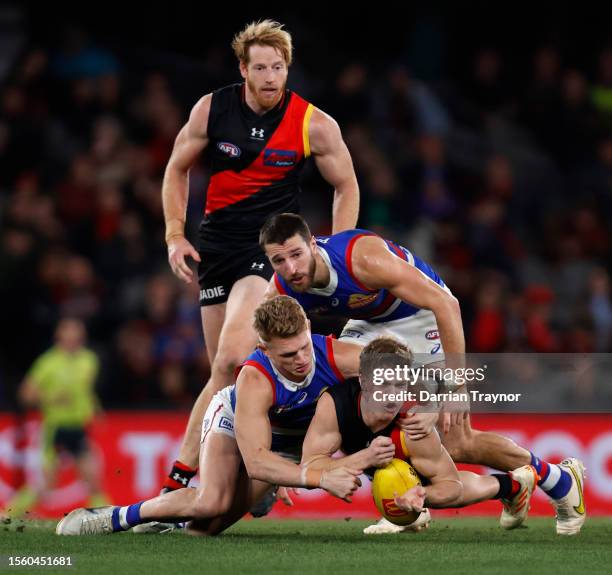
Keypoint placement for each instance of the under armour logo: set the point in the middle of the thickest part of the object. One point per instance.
(256, 266)
(183, 480)
(255, 133)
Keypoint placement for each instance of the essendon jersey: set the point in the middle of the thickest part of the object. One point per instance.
(255, 163)
(356, 435)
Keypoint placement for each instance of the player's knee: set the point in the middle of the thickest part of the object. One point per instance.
(212, 503)
(226, 362)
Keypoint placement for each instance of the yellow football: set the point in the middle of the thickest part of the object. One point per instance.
(397, 477)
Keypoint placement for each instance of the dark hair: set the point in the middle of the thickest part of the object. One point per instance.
(279, 228)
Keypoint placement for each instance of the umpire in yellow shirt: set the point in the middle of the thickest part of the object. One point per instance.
(61, 384)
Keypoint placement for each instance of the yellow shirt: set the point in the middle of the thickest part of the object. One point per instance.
(65, 382)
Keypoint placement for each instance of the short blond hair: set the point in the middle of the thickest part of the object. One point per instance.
(265, 33)
(281, 316)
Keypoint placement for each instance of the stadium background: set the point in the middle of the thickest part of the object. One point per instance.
(482, 139)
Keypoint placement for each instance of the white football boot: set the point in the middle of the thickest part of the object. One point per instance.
(516, 509)
(383, 525)
(156, 527)
(571, 509)
(87, 521)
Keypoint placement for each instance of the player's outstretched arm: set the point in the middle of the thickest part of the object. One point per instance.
(254, 435)
(190, 142)
(334, 162)
(431, 460)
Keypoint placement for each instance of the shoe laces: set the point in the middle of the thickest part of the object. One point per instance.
(96, 523)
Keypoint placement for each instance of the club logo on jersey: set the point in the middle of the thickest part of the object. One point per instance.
(432, 334)
(358, 300)
(279, 158)
(229, 149)
(257, 134)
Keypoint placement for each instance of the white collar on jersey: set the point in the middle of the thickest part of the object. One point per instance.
(330, 288)
(296, 385)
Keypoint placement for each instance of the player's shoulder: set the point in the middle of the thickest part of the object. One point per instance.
(323, 131)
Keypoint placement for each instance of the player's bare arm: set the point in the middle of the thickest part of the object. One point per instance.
(346, 357)
(254, 435)
(377, 268)
(432, 461)
(323, 439)
(334, 163)
(189, 144)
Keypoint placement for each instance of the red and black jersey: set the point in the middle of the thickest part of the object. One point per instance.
(255, 163)
(356, 435)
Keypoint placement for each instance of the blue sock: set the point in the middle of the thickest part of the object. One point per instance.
(126, 517)
(554, 480)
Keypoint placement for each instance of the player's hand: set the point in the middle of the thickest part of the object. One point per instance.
(418, 425)
(341, 482)
(454, 412)
(380, 452)
(412, 500)
(178, 249)
(284, 494)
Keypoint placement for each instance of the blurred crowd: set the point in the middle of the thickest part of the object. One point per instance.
(505, 187)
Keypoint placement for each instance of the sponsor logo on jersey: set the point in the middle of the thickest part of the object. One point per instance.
(225, 423)
(302, 397)
(210, 293)
(322, 240)
(357, 300)
(435, 349)
(229, 149)
(432, 334)
(279, 158)
(257, 266)
(257, 133)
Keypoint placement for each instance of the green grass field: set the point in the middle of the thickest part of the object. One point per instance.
(451, 546)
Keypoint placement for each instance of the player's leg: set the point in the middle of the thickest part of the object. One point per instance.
(514, 489)
(236, 340)
(468, 445)
(249, 492)
(220, 462)
(185, 467)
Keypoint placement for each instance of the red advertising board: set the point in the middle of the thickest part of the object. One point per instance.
(135, 449)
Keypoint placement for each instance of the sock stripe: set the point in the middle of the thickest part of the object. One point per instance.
(123, 518)
(552, 479)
